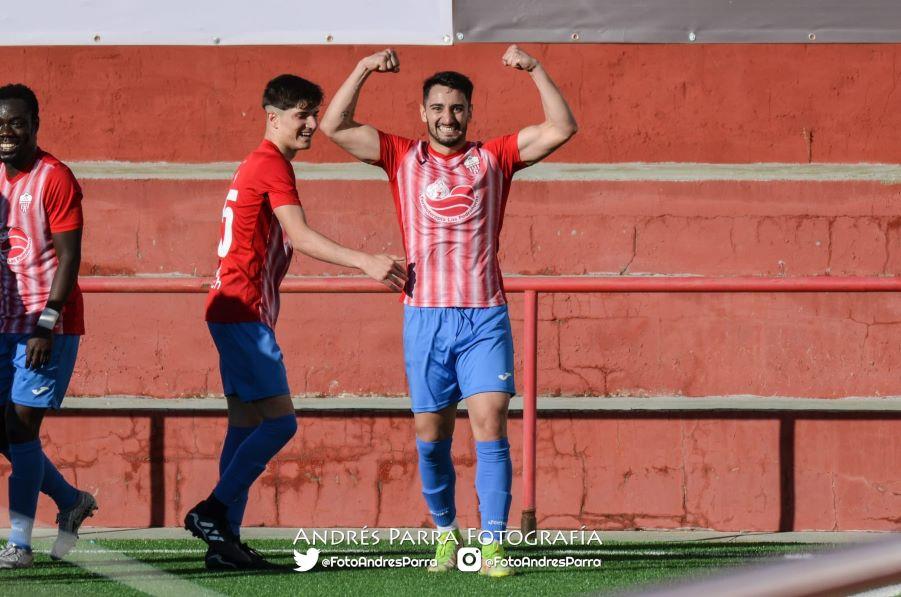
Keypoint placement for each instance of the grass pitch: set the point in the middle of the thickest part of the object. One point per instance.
(173, 566)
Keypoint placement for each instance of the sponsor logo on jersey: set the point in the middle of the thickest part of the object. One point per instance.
(24, 202)
(15, 245)
(473, 164)
(448, 205)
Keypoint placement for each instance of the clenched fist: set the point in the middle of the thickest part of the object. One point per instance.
(518, 59)
(382, 62)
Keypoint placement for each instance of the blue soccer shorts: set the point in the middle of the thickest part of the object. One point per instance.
(451, 353)
(250, 361)
(39, 388)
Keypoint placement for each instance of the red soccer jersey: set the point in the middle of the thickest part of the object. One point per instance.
(34, 204)
(253, 252)
(451, 209)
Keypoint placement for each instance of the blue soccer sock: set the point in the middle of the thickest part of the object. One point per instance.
(234, 437)
(494, 477)
(436, 469)
(24, 486)
(252, 456)
(54, 485)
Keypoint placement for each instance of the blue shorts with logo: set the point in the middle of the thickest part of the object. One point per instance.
(451, 353)
(250, 361)
(39, 388)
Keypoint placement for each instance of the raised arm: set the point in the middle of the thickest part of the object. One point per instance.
(338, 124)
(383, 268)
(539, 141)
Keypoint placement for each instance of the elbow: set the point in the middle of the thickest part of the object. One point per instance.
(299, 243)
(328, 128)
(330, 124)
(302, 242)
(561, 132)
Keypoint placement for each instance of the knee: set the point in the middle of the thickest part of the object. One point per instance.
(489, 428)
(285, 427)
(22, 424)
(429, 436)
(434, 431)
(292, 425)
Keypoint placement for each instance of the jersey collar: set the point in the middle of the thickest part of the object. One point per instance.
(24, 171)
(427, 152)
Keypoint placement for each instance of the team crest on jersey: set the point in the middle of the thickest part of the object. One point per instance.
(473, 164)
(448, 205)
(24, 202)
(15, 245)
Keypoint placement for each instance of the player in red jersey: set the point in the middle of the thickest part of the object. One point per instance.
(262, 222)
(41, 320)
(450, 195)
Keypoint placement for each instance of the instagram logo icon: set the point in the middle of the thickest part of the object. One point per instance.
(469, 559)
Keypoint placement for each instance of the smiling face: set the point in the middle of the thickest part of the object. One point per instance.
(18, 132)
(292, 129)
(446, 112)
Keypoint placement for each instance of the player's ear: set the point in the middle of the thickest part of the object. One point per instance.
(422, 112)
(272, 119)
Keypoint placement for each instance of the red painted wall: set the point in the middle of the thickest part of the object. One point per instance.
(648, 103)
(704, 103)
(603, 473)
(791, 345)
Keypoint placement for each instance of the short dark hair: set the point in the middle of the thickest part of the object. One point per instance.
(21, 92)
(290, 91)
(451, 79)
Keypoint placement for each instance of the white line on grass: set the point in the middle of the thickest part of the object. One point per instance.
(892, 591)
(359, 551)
(122, 569)
(133, 573)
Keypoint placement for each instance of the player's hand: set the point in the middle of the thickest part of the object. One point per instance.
(385, 61)
(38, 348)
(387, 269)
(518, 59)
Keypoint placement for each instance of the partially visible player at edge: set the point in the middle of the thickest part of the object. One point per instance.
(41, 320)
(450, 194)
(261, 219)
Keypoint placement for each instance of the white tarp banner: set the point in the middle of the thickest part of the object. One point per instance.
(445, 22)
(678, 21)
(227, 22)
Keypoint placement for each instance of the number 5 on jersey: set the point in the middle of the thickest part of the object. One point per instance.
(228, 218)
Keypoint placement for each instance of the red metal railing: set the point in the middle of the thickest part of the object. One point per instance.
(531, 286)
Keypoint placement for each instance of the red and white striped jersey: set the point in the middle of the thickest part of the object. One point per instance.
(254, 254)
(451, 209)
(34, 204)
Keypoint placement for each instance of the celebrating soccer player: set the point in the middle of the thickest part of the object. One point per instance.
(450, 194)
(261, 219)
(41, 320)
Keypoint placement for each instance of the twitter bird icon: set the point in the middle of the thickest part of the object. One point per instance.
(306, 561)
